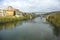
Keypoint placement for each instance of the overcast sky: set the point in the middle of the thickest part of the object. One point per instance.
(32, 5)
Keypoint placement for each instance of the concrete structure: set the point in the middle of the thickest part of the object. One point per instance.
(18, 13)
(10, 11)
(4, 12)
(10, 8)
(1, 12)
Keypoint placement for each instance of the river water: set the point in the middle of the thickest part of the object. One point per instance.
(35, 29)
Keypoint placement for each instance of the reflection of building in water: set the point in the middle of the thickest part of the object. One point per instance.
(1, 27)
(10, 25)
(7, 26)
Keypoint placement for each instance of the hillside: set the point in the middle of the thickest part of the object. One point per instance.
(54, 18)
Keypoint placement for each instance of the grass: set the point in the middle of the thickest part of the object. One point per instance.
(55, 19)
(12, 19)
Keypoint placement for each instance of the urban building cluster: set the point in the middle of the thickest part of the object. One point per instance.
(10, 11)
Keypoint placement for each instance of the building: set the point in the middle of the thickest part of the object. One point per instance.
(1, 12)
(10, 11)
(18, 13)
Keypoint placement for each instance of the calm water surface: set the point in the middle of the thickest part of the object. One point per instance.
(36, 29)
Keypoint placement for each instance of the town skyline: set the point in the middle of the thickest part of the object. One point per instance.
(32, 5)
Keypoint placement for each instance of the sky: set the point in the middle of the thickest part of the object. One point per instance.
(32, 5)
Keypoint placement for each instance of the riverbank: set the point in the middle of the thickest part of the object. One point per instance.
(54, 19)
(6, 19)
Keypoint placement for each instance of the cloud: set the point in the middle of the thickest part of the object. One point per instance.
(33, 5)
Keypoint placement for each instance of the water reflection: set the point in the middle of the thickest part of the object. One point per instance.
(56, 31)
(36, 29)
(10, 25)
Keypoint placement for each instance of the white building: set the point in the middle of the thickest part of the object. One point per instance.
(1, 12)
(18, 13)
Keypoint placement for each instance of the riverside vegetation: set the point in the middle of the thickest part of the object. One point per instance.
(14, 18)
(54, 18)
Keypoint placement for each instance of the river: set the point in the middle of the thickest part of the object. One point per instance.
(35, 29)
